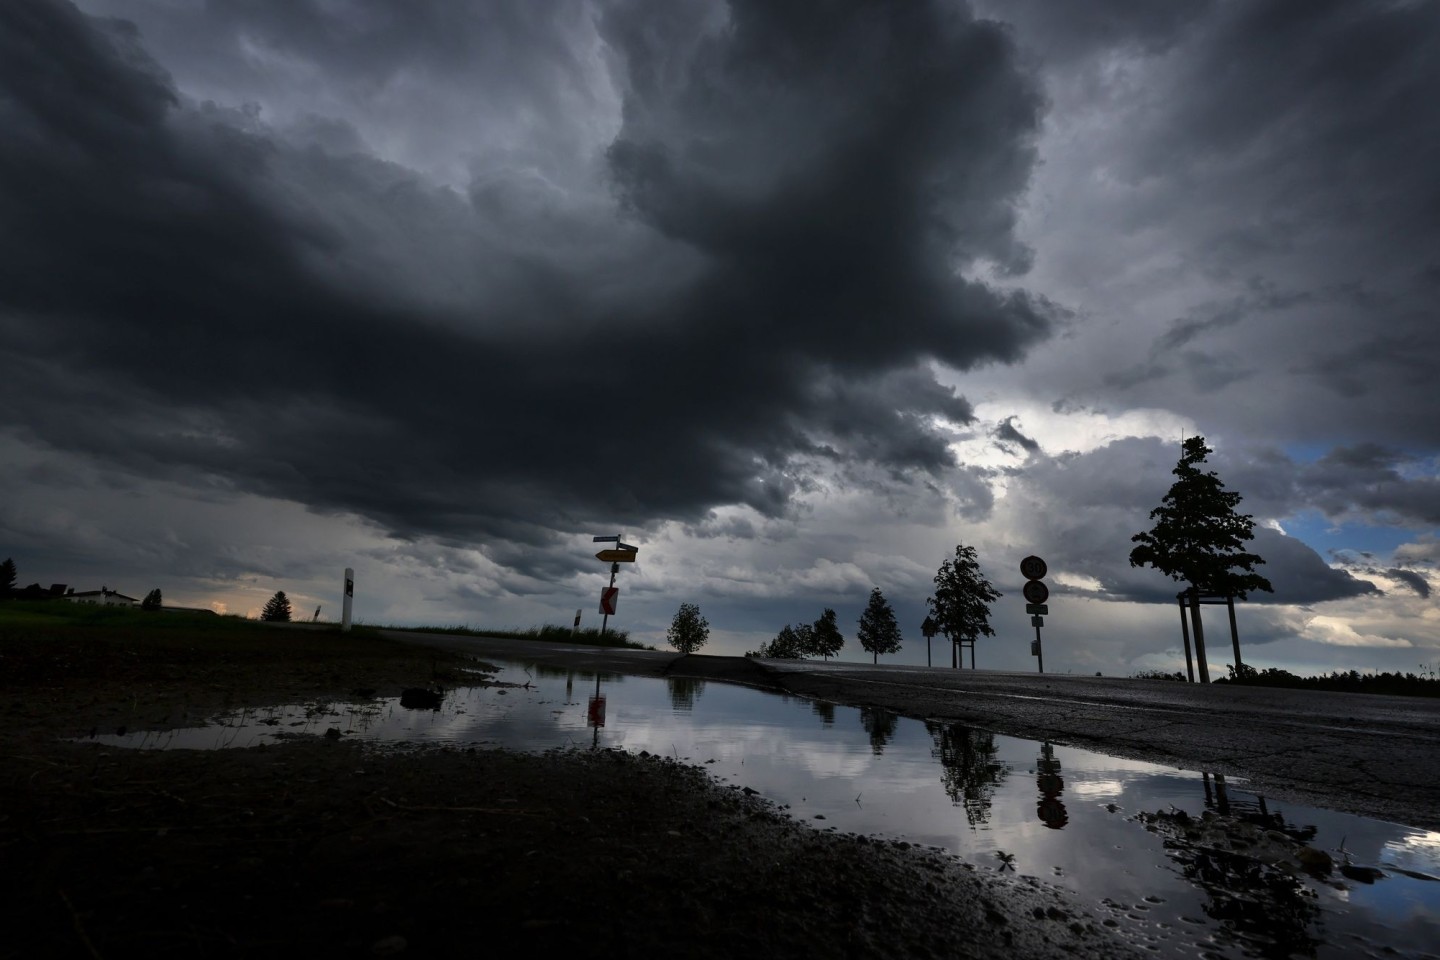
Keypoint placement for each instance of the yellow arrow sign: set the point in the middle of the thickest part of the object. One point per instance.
(616, 556)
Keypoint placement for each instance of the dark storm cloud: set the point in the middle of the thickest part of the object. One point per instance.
(1411, 579)
(187, 293)
(1372, 481)
(1007, 433)
(1267, 163)
(1067, 31)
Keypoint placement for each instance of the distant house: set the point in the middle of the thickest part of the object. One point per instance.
(104, 596)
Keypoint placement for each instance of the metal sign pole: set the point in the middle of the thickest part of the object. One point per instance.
(614, 569)
(1039, 650)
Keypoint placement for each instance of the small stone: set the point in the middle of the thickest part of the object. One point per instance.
(389, 946)
(1316, 861)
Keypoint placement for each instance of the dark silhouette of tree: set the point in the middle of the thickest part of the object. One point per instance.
(689, 630)
(791, 643)
(960, 606)
(8, 573)
(825, 636)
(880, 724)
(277, 608)
(1198, 537)
(970, 765)
(152, 600)
(878, 633)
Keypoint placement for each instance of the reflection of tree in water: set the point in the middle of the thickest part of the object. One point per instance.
(1050, 808)
(684, 691)
(970, 768)
(880, 724)
(825, 710)
(1246, 860)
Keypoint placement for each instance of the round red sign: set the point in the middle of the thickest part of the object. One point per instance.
(1032, 568)
(1036, 592)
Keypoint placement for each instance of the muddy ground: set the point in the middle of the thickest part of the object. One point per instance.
(325, 848)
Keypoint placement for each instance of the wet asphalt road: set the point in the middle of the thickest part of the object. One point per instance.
(1369, 755)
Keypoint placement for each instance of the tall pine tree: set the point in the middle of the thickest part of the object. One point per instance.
(277, 608)
(1198, 538)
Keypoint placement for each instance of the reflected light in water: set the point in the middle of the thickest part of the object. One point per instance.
(1179, 857)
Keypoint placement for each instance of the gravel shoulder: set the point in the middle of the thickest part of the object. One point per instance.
(328, 848)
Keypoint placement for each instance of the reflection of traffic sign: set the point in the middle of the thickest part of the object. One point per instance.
(1052, 813)
(609, 596)
(1039, 609)
(616, 556)
(1036, 592)
(595, 715)
(1033, 568)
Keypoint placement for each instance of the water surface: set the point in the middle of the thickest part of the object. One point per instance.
(1146, 847)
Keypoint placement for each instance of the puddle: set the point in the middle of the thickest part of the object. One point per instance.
(1189, 863)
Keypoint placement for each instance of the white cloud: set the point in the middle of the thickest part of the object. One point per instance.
(1335, 632)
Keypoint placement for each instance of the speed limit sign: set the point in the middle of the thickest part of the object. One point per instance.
(1033, 568)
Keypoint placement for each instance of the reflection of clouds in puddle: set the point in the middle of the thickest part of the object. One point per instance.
(1418, 851)
(1095, 789)
(978, 794)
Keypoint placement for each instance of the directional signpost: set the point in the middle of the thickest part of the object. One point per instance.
(616, 556)
(1036, 593)
(609, 596)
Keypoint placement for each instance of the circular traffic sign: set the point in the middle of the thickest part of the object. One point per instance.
(1035, 591)
(1033, 568)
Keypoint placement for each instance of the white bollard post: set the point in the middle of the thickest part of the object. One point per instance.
(349, 597)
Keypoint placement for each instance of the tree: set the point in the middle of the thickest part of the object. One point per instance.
(960, 607)
(878, 633)
(7, 577)
(791, 643)
(689, 630)
(277, 608)
(152, 600)
(1198, 539)
(826, 637)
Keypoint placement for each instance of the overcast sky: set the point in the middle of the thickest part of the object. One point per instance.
(796, 296)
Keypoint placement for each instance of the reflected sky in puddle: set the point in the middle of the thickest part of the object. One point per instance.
(1188, 885)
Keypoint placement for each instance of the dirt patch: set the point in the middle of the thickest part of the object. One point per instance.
(332, 848)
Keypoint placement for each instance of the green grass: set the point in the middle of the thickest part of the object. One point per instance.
(40, 613)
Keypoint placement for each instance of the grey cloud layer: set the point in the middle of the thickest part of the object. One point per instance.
(1251, 188)
(190, 291)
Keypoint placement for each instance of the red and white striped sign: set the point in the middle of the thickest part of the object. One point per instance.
(608, 598)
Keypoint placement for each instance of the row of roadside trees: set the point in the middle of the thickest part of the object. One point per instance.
(959, 609)
(1197, 539)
